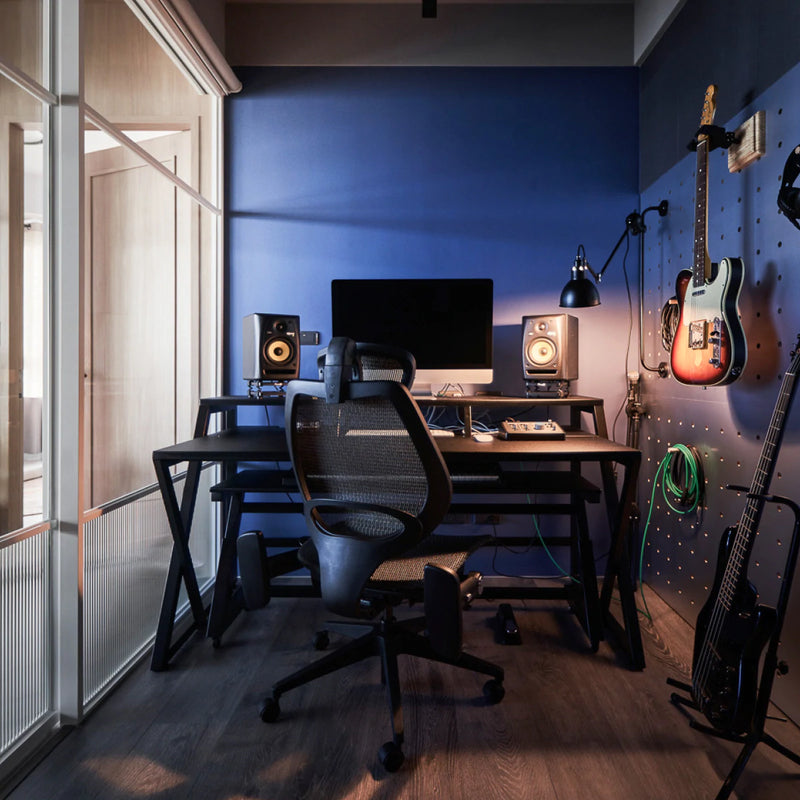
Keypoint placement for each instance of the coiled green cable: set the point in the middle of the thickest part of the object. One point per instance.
(682, 482)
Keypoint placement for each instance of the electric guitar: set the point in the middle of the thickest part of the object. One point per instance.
(709, 347)
(732, 627)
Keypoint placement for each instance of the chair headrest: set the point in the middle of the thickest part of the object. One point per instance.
(338, 368)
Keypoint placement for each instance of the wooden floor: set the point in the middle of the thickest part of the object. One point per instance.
(573, 725)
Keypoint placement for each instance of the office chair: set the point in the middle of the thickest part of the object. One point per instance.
(372, 362)
(374, 488)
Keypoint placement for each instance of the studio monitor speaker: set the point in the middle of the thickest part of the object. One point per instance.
(271, 347)
(550, 347)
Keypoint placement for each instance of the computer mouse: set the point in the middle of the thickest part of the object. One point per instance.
(482, 437)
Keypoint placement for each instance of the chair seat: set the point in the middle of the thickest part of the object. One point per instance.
(407, 572)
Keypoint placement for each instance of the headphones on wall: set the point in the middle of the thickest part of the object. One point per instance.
(789, 195)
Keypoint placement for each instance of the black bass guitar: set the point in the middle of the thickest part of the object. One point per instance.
(732, 627)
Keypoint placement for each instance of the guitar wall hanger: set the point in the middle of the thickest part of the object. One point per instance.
(716, 136)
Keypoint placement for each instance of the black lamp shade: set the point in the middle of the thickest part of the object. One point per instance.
(579, 291)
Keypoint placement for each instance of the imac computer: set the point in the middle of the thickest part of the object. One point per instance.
(445, 323)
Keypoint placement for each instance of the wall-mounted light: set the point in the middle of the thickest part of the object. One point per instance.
(581, 292)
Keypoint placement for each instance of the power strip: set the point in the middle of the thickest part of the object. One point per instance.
(531, 430)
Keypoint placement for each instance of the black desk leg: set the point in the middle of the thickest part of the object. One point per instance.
(618, 568)
(225, 605)
(583, 565)
(180, 565)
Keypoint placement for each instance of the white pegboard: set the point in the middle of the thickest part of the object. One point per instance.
(727, 424)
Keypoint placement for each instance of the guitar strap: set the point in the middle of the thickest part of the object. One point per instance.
(789, 195)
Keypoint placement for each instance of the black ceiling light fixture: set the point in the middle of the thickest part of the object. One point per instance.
(429, 9)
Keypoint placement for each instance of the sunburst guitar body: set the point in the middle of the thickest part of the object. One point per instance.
(709, 346)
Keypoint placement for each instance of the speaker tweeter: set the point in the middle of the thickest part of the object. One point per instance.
(271, 347)
(550, 348)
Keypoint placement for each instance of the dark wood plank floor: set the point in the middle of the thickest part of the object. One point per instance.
(573, 724)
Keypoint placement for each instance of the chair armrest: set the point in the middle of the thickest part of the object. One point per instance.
(410, 523)
(347, 559)
(445, 597)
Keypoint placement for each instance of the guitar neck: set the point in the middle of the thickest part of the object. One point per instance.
(751, 516)
(701, 264)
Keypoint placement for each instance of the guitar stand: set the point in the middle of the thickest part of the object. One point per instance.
(770, 667)
(717, 137)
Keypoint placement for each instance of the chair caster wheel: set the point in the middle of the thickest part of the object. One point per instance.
(391, 757)
(321, 640)
(270, 711)
(216, 643)
(494, 691)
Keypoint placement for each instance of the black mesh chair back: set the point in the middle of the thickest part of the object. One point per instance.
(369, 473)
(378, 362)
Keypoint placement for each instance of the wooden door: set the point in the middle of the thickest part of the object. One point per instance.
(138, 312)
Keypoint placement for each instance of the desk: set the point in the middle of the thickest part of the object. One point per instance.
(262, 444)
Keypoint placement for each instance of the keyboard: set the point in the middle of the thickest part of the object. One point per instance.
(441, 432)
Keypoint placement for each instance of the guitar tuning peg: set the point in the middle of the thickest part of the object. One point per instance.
(782, 668)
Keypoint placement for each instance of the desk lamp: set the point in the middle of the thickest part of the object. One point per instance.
(580, 292)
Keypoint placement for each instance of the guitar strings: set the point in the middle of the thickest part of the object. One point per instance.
(741, 547)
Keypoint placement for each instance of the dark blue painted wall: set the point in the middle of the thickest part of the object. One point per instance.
(371, 172)
(742, 46)
(751, 51)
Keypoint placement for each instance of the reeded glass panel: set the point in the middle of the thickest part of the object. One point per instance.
(25, 685)
(22, 298)
(21, 36)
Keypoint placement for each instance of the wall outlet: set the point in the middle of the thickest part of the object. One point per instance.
(750, 144)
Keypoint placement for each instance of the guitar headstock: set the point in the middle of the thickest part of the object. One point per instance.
(709, 109)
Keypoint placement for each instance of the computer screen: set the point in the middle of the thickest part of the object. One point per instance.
(445, 323)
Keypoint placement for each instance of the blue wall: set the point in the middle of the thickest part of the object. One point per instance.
(423, 172)
(751, 51)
